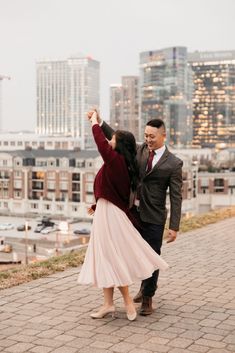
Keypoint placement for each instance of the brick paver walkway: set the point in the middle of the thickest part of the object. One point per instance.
(195, 306)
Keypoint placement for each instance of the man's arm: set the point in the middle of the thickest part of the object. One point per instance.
(107, 130)
(175, 197)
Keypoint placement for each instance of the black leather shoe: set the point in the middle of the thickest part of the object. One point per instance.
(146, 307)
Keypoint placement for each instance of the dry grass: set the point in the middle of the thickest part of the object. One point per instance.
(23, 273)
(27, 273)
(202, 220)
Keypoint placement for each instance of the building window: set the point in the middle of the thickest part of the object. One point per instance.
(17, 194)
(51, 175)
(89, 188)
(63, 186)
(51, 185)
(89, 177)
(34, 206)
(17, 184)
(63, 175)
(89, 198)
(219, 185)
(17, 174)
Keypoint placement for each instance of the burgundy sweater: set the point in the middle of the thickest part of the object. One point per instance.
(112, 181)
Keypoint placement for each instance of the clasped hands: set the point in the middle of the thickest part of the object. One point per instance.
(94, 117)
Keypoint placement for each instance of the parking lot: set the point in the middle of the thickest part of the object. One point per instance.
(38, 245)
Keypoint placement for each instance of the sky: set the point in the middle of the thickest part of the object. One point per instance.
(113, 32)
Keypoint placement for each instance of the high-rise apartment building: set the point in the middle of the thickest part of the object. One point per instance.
(166, 93)
(214, 98)
(66, 90)
(124, 105)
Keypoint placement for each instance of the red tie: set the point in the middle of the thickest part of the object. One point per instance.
(150, 161)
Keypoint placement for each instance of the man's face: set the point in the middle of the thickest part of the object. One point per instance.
(154, 137)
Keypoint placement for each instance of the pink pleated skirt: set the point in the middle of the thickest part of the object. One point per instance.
(117, 255)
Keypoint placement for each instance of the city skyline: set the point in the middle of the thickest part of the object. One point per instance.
(33, 30)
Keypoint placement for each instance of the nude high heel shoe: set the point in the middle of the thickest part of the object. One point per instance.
(131, 316)
(103, 312)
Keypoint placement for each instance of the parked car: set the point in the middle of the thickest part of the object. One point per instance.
(48, 230)
(6, 226)
(83, 231)
(21, 228)
(39, 227)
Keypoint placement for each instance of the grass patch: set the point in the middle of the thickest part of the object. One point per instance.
(27, 273)
(199, 221)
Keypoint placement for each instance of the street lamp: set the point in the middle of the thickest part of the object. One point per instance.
(26, 242)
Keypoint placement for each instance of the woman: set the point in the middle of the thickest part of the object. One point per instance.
(117, 255)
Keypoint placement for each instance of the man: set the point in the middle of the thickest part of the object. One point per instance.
(159, 170)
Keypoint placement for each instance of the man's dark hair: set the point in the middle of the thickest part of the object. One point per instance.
(156, 123)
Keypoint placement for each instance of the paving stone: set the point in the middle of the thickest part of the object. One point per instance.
(159, 348)
(80, 343)
(139, 350)
(19, 348)
(230, 339)
(100, 344)
(7, 342)
(65, 349)
(210, 336)
(41, 349)
(209, 322)
(210, 343)
(49, 333)
(123, 347)
(197, 348)
(231, 348)
(48, 342)
(180, 342)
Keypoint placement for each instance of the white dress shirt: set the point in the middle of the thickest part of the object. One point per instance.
(158, 154)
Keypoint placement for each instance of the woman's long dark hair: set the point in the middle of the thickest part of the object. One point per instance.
(126, 145)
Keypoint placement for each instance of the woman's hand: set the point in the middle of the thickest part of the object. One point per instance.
(90, 211)
(94, 118)
(90, 114)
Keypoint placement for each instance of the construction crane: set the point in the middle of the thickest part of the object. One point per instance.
(2, 77)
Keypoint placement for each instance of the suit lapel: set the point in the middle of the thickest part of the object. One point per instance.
(161, 161)
(143, 157)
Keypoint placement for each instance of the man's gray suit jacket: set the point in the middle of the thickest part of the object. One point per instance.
(152, 191)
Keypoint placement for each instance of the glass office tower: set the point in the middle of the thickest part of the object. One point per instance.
(166, 92)
(213, 98)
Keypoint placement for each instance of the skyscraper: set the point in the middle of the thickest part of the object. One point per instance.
(66, 90)
(166, 93)
(214, 98)
(124, 105)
